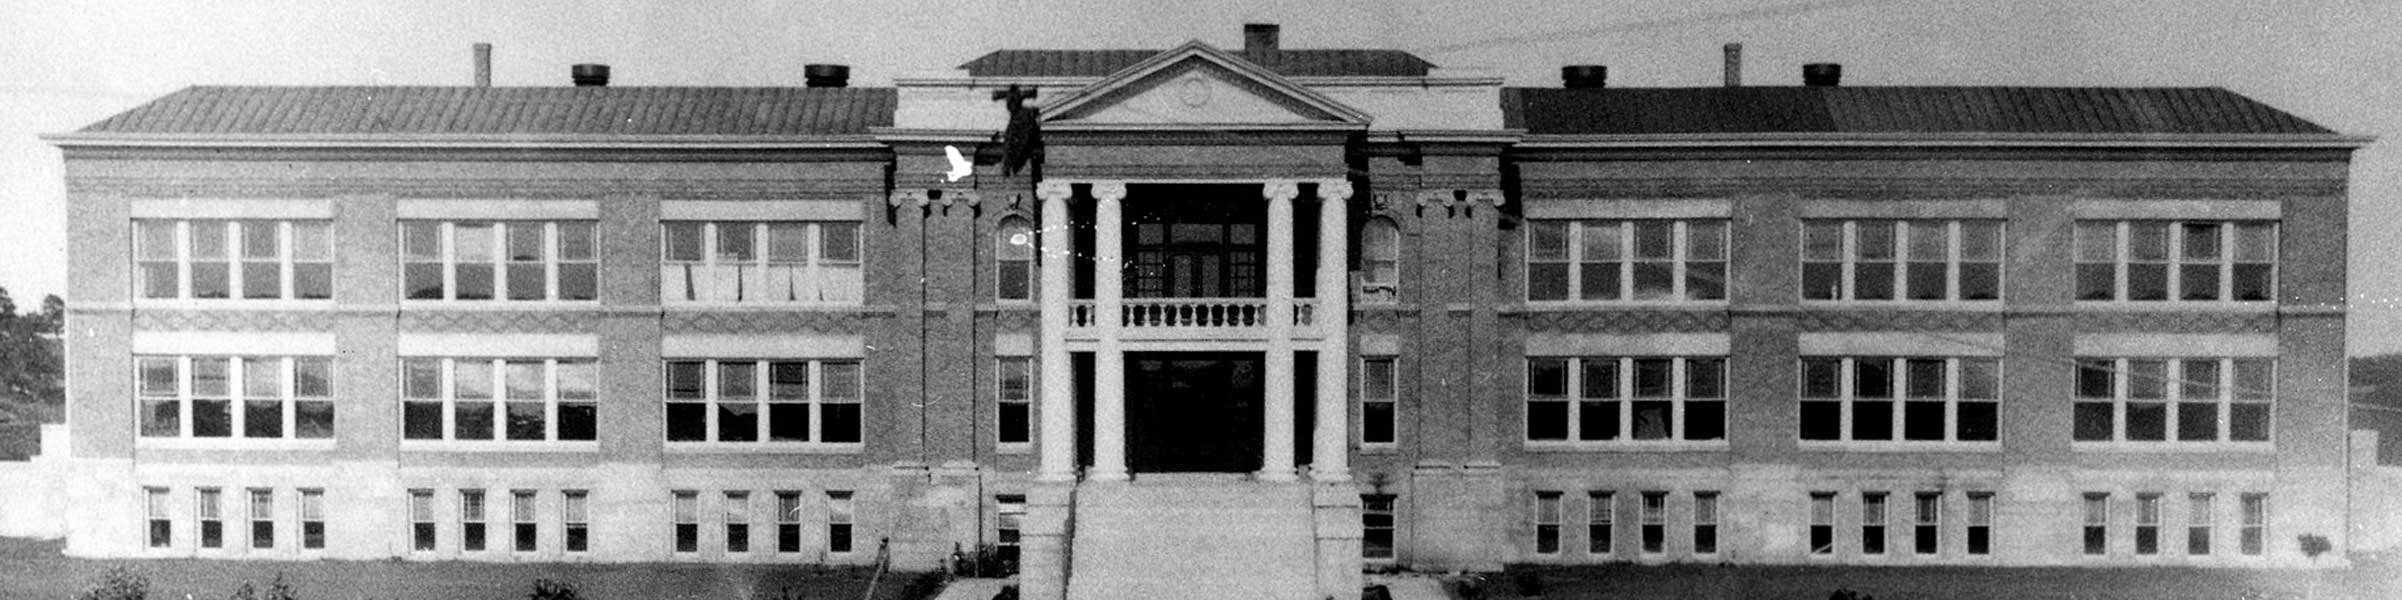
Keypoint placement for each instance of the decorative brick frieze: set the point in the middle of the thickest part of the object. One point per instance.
(1622, 321)
(498, 321)
(2177, 322)
(231, 320)
(1896, 320)
(796, 321)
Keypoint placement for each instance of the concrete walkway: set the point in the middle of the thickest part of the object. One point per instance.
(973, 589)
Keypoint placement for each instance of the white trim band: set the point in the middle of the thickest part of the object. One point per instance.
(1990, 208)
(2177, 344)
(234, 342)
(731, 345)
(1900, 343)
(499, 345)
(498, 209)
(1642, 344)
(1013, 344)
(764, 210)
(2178, 209)
(1629, 209)
(1379, 344)
(232, 208)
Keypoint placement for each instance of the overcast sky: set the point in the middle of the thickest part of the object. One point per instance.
(67, 63)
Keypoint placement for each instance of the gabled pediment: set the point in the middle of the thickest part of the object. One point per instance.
(1199, 85)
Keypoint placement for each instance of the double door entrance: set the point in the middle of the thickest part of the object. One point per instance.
(1188, 412)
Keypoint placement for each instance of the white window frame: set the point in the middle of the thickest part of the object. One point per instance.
(1020, 400)
(1655, 523)
(554, 258)
(2121, 258)
(1705, 521)
(525, 509)
(261, 510)
(1955, 259)
(684, 507)
(1681, 258)
(1009, 520)
(2147, 523)
(237, 366)
(287, 259)
(2097, 524)
(575, 521)
(1980, 520)
(1548, 512)
(820, 280)
(425, 535)
(1601, 522)
(475, 520)
(1926, 510)
(1823, 507)
(2174, 387)
(1679, 398)
(554, 399)
(2201, 521)
(208, 508)
(842, 515)
(1385, 391)
(158, 518)
(1956, 394)
(312, 513)
(1387, 506)
(763, 399)
(1876, 510)
(735, 507)
(789, 504)
(2253, 519)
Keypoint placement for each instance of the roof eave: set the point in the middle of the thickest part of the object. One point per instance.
(463, 141)
(1949, 140)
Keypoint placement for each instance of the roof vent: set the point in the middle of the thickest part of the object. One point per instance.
(589, 75)
(1259, 38)
(1734, 65)
(1822, 74)
(483, 65)
(1584, 76)
(827, 76)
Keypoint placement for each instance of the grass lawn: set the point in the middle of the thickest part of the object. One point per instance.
(2366, 581)
(34, 570)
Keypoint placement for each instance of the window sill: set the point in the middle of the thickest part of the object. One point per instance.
(677, 306)
(231, 304)
(1899, 447)
(2175, 447)
(499, 305)
(498, 446)
(1912, 305)
(764, 448)
(1628, 446)
(2246, 306)
(184, 443)
(1381, 449)
(1014, 448)
(1582, 305)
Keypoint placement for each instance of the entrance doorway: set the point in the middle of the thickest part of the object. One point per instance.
(1194, 411)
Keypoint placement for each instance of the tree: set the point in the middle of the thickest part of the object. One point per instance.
(32, 367)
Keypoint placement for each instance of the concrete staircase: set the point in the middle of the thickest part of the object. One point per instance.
(1198, 537)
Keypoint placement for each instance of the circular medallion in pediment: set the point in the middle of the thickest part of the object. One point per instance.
(1193, 91)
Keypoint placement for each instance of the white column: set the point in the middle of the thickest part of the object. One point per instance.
(1058, 289)
(1109, 361)
(1276, 452)
(1330, 448)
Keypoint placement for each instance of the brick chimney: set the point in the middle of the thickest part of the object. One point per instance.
(1259, 38)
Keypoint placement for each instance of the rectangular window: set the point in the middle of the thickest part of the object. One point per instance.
(2097, 523)
(161, 524)
(738, 521)
(421, 520)
(246, 260)
(2176, 261)
(1888, 260)
(1547, 522)
(472, 529)
(1601, 513)
(1009, 517)
(1980, 523)
(312, 519)
(788, 521)
(522, 514)
(575, 517)
(2198, 518)
(1655, 522)
(1872, 522)
(2255, 524)
(1926, 535)
(687, 507)
(1644, 260)
(781, 401)
(262, 518)
(1907, 399)
(1014, 249)
(1014, 397)
(2180, 400)
(839, 514)
(1376, 526)
(1379, 262)
(499, 260)
(1625, 399)
(777, 262)
(1822, 522)
(210, 508)
(1705, 522)
(223, 397)
(1378, 412)
(2147, 524)
(495, 399)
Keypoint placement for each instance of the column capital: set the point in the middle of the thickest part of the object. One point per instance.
(1053, 189)
(1449, 198)
(1281, 189)
(925, 196)
(1334, 189)
(1106, 191)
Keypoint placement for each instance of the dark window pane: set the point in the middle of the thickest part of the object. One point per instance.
(842, 423)
(2094, 422)
(1705, 420)
(1654, 420)
(1980, 540)
(577, 281)
(2254, 281)
(1547, 420)
(2097, 281)
(313, 281)
(1654, 377)
(1979, 421)
(1922, 421)
(1654, 281)
(578, 421)
(789, 422)
(2197, 421)
(212, 418)
(2093, 378)
(1982, 281)
(2199, 282)
(2147, 421)
(687, 421)
(1822, 281)
(525, 281)
(473, 421)
(526, 536)
(1705, 281)
(161, 418)
(688, 537)
(421, 420)
(1014, 284)
(1600, 379)
(685, 380)
(209, 279)
(1600, 280)
(262, 419)
(262, 279)
(1546, 377)
(1822, 378)
(2147, 281)
(158, 280)
(1821, 420)
(737, 421)
(424, 281)
(1547, 281)
(1926, 281)
(526, 421)
(1376, 422)
(1705, 378)
(1872, 281)
(1597, 420)
(2249, 422)
(473, 537)
(1872, 378)
(475, 281)
(313, 420)
(1872, 420)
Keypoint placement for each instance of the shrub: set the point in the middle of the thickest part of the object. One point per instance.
(119, 583)
(551, 589)
(2314, 545)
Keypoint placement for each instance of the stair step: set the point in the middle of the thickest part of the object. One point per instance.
(1193, 537)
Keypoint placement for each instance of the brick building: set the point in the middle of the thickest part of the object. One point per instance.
(1354, 310)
